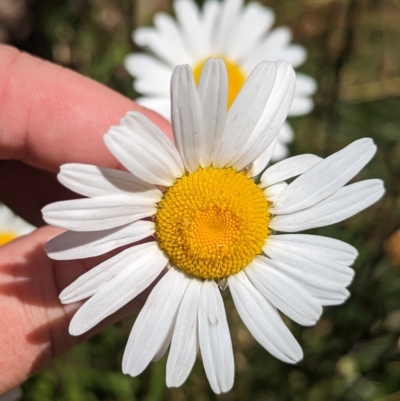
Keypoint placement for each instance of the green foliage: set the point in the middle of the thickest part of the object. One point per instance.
(353, 353)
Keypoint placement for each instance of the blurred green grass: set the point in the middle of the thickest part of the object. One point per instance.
(353, 353)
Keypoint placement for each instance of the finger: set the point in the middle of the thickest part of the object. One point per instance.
(33, 322)
(50, 115)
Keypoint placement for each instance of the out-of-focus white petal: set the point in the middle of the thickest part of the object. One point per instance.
(144, 150)
(78, 245)
(325, 177)
(300, 106)
(182, 354)
(187, 117)
(215, 340)
(285, 294)
(89, 180)
(160, 104)
(13, 224)
(288, 168)
(305, 85)
(154, 322)
(134, 277)
(262, 161)
(101, 213)
(344, 203)
(263, 321)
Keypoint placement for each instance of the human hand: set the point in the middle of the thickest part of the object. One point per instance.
(48, 116)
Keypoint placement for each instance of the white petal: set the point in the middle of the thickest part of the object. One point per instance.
(272, 118)
(344, 203)
(211, 11)
(101, 213)
(325, 292)
(325, 178)
(226, 24)
(262, 161)
(78, 245)
(263, 321)
(165, 41)
(246, 111)
(286, 134)
(305, 85)
(280, 152)
(329, 248)
(184, 343)
(309, 263)
(135, 274)
(293, 54)
(215, 339)
(154, 322)
(160, 104)
(213, 90)
(288, 168)
(152, 75)
(166, 343)
(11, 222)
(254, 21)
(144, 150)
(188, 16)
(187, 117)
(285, 294)
(300, 106)
(273, 191)
(97, 277)
(88, 180)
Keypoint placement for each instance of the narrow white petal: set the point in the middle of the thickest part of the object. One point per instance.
(310, 263)
(274, 190)
(160, 104)
(11, 222)
(288, 168)
(254, 21)
(97, 277)
(211, 12)
(187, 117)
(152, 75)
(325, 178)
(215, 340)
(293, 54)
(272, 118)
(154, 322)
(285, 294)
(213, 90)
(184, 343)
(330, 248)
(305, 85)
(188, 16)
(135, 274)
(88, 180)
(281, 151)
(262, 161)
(246, 111)
(346, 202)
(166, 343)
(165, 41)
(226, 24)
(78, 245)
(324, 291)
(144, 150)
(263, 321)
(101, 213)
(300, 106)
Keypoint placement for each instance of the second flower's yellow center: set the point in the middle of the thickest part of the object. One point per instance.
(236, 78)
(212, 223)
(6, 237)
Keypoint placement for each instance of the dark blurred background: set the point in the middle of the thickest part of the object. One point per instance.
(353, 353)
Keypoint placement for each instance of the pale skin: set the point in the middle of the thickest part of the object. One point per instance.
(49, 116)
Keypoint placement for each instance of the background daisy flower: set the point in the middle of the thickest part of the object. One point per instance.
(211, 225)
(241, 35)
(11, 225)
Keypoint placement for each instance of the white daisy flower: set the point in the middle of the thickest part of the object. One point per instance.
(11, 225)
(211, 225)
(241, 35)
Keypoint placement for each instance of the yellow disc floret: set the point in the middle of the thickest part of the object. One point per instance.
(6, 237)
(212, 223)
(236, 78)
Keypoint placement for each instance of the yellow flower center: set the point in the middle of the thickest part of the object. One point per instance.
(6, 237)
(212, 223)
(236, 78)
